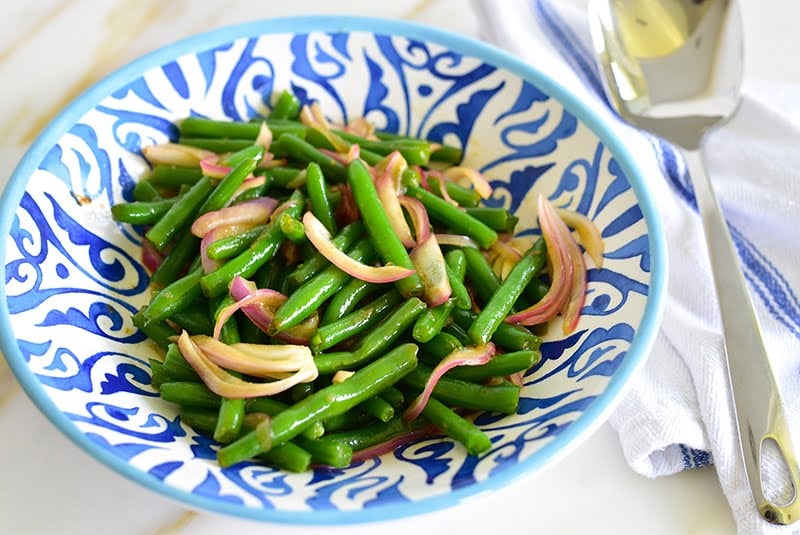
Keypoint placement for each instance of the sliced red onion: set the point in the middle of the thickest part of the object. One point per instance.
(439, 185)
(361, 127)
(269, 160)
(353, 153)
(151, 257)
(346, 157)
(577, 295)
(561, 269)
(456, 240)
(319, 236)
(419, 217)
(227, 385)
(313, 117)
(428, 259)
(248, 184)
(257, 360)
(259, 305)
(388, 188)
(516, 378)
(252, 212)
(264, 137)
(466, 356)
(458, 173)
(176, 154)
(212, 169)
(589, 234)
(391, 444)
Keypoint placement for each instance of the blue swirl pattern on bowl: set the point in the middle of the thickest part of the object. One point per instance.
(73, 276)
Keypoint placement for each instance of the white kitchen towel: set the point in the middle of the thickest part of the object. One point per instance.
(678, 413)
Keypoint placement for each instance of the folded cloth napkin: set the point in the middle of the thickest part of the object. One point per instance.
(678, 415)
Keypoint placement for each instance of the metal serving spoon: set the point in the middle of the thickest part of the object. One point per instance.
(674, 68)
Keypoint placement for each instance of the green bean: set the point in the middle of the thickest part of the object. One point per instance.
(310, 296)
(174, 263)
(190, 395)
(439, 152)
(259, 252)
(456, 267)
(301, 150)
(283, 176)
(246, 161)
(203, 421)
(233, 245)
(457, 332)
(414, 151)
(456, 427)
(197, 127)
(506, 295)
(508, 336)
(318, 196)
(158, 331)
(288, 455)
(374, 434)
(346, 300)
(432, 320)
(193, 320)
(175, 297)
(351, 419)
(465, 197)
(378, 408)
(453, 217)
(499, 366)
(142, 213)
(318, 139)
(218, 145)
(327, 452)
(253, 153)
(438, 348)
(383, 237)
(502, 398)
(292, 228)
(329, 401)
(175, 367)
(286, 107)
(300, 391)
(479, 272)
(446, 154)
(354, 323)
(394, 397)
(145, 191)
(231, 410)
(498, 219)
(179, 213)
(157, 377)
(173, 176)
(344, 240)
(374, 342)
(272, 406)
(536, 290)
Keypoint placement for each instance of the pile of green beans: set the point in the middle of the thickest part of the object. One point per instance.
(383, 335)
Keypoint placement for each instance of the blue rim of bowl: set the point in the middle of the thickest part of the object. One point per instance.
(578, 431)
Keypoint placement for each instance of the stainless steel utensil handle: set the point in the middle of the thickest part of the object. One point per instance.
(757, 401)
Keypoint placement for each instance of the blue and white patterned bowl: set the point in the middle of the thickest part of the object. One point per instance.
(73, 276)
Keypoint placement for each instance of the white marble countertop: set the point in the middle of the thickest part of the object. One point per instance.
(50, 51)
